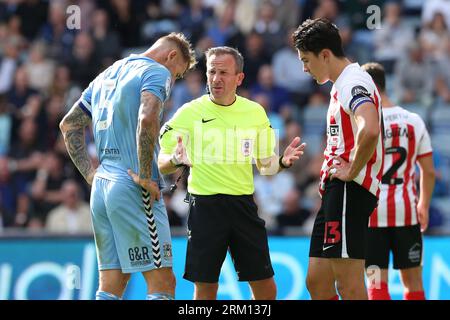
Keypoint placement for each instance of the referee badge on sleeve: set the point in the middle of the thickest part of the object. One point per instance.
(246, 147)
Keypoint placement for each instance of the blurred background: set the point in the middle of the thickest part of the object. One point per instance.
(48, 56)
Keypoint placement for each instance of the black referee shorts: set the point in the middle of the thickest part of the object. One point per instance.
(218, 223)
(404, 242)
(341, 225)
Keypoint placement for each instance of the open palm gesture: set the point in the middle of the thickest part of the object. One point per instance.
(293, 152)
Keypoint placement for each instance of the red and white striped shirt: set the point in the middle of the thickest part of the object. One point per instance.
(406, 140)
(352, 88)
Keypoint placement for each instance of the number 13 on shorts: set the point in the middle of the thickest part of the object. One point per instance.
(332, 233)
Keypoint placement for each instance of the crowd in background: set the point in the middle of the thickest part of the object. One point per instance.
(45, 65)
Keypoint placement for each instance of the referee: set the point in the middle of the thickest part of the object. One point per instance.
(219, 135)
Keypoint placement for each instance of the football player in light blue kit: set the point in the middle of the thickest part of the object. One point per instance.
(130, 223)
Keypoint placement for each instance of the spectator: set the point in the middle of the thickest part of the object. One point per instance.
(356, 29)
(73, 216)
(55, 32)
(293, 214)
(356, 11)
(106, 41)
(279, 97)
(46, 191)
(191, 88)
(413, 74)
(442, 84)
(14, 201)
(276, 121)
(255, 56)
(82, 63)
(270, 192)
(329, 9)
(8, 64)
(318, 100)
(5, 10)
(269, 28)
(430, 7)
(244, 14)
(287, 12)
(15, 32)
(288, 72)
(292, 130)
(126, 20)
(49, 124)
(5, 125)
(435, 38)
(20, 90)
(200, 48)
(64, 87)
(158, 22)
(32, 109)
(222, 29)
(33, 14)
(4, 33)
(87, 8)
(193, 19)
(393, 38)
(26, 153)
(40, 70)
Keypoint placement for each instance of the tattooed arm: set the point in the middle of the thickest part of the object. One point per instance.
(146, 137)
(147, 132)
(72, 128)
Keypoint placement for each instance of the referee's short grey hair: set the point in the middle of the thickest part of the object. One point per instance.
(238, 58)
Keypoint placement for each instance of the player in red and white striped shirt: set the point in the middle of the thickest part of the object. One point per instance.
(352, 169)
(397, 223)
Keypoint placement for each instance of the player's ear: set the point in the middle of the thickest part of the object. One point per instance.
(172, 54)
(325, 53)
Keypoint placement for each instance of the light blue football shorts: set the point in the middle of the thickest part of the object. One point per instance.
(129, 235)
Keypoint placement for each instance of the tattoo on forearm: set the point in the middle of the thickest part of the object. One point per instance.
(77, 151)
(146, 135)
(76, 121)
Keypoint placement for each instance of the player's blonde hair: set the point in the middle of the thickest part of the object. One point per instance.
(185, 47)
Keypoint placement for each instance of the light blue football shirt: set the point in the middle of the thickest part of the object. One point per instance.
(112, 99)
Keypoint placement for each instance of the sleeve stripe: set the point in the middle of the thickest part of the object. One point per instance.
(86, 104)
(81, 104)
(360, 103)
(424, 155)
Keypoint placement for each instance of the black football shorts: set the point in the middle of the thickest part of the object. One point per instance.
(340, 228)
(218, 223)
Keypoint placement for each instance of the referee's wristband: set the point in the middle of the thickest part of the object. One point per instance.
(174, 161)
(280, 162)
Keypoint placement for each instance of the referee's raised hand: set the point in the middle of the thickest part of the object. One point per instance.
(180, 157)
(293, 152)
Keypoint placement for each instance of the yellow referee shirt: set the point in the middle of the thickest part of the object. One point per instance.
(221, 142)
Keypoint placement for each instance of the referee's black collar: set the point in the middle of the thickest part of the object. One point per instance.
(222, 105)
